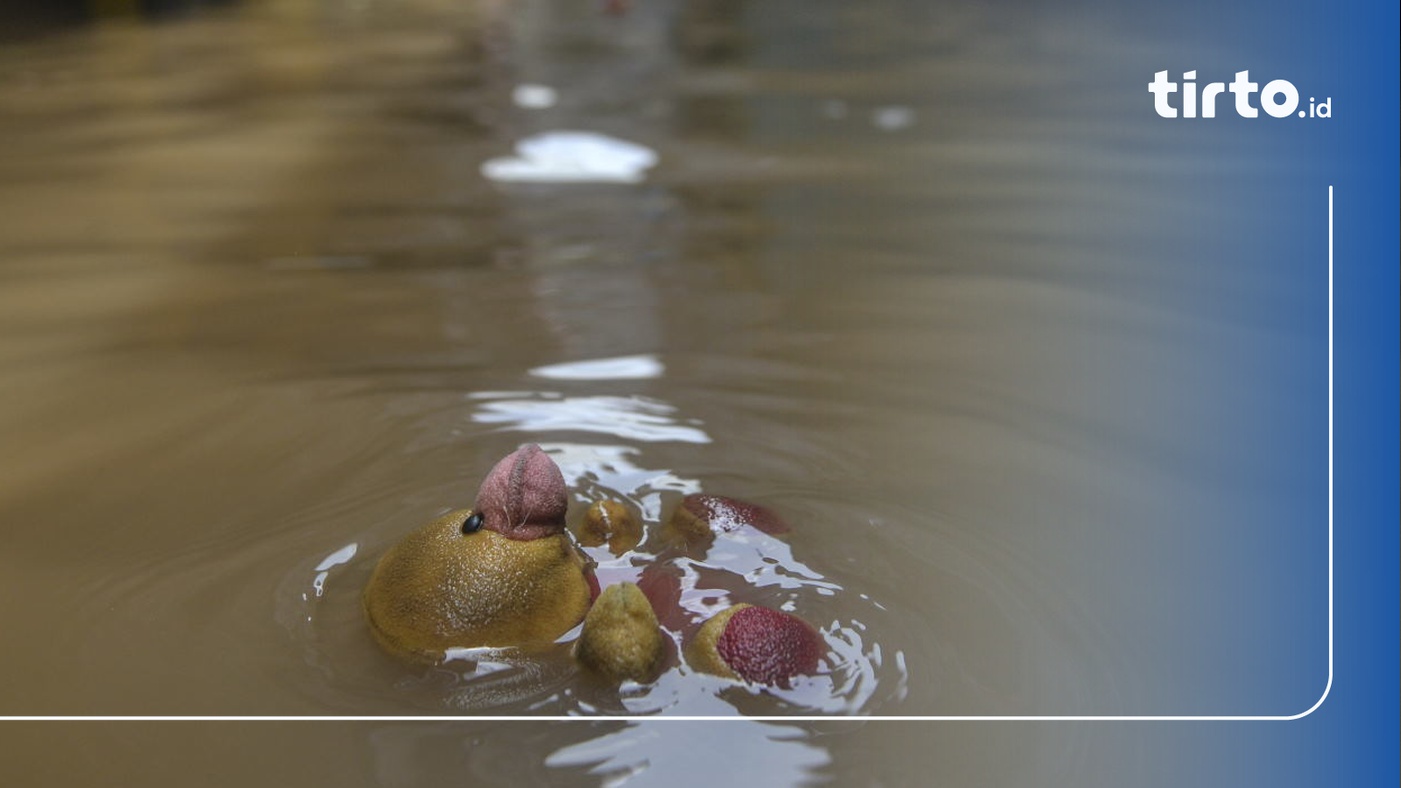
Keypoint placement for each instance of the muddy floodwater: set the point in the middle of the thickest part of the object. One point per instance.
(280, 281)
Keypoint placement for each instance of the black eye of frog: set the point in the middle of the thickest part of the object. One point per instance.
(472, 524)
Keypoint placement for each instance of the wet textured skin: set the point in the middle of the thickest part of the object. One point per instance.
(621, 638)
(756, 644)
(440, 588)
(701, 517)
(612, 523)
(511, 577)
(702, 653)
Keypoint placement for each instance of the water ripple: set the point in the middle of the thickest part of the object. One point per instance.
(634, 417)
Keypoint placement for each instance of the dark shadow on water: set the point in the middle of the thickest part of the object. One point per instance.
(27, 19)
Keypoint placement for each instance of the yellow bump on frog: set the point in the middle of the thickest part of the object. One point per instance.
(502, 574)
(610, 522)
(621, 638)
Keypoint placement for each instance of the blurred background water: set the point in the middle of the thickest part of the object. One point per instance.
(279, 281)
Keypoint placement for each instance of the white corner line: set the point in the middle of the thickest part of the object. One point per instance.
(1327, 689)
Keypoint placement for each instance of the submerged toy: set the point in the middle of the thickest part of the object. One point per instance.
(621, 638)
(503, 574)
(507, 574)
(756, 644)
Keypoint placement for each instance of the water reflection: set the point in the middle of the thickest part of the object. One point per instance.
(635, 418)
(596, 471)
(668, 753)
(323, 569)
(596, 753)
(572, 157)
(532, 96)
(620, 368)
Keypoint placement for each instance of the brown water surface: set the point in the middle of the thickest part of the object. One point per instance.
(261, 313)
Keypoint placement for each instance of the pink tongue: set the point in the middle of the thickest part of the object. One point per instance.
(524, 497)
(768, 646)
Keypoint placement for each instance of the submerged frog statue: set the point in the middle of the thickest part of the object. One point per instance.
(505, 573)
(508, 574)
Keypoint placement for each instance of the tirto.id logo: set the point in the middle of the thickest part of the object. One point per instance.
(1279, 98)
